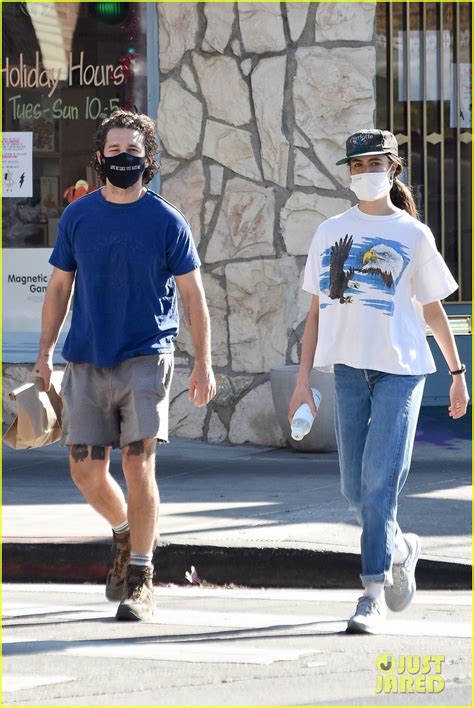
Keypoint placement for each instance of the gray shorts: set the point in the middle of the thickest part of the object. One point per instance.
(118, 405)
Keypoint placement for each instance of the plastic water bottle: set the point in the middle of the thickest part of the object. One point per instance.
(303, 418)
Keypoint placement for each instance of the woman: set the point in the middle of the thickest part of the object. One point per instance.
(377, 279)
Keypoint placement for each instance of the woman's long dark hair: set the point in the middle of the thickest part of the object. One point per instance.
(400, 194)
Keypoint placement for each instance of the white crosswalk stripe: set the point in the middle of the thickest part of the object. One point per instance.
(197, 651)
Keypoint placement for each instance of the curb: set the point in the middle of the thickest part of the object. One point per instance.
(64, 560)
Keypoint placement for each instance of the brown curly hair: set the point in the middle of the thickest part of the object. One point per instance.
(135, 121)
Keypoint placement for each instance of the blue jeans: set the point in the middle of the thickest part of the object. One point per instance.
(376, 418)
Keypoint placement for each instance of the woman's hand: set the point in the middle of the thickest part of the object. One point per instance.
(459, 397)
(301, 394)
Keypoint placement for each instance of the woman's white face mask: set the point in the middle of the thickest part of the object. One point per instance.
(370, 186)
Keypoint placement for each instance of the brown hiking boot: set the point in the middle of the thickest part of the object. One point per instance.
(116, 578)
(121, 549)
(138, 601)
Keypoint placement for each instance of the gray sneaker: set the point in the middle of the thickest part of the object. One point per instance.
(369, 617)
(400, 594)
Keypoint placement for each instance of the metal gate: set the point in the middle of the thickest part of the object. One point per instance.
(423, 91)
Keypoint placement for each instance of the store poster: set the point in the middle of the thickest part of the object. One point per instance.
(26, 274)
(17, 163)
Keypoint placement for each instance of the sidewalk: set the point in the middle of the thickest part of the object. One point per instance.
(242, 515)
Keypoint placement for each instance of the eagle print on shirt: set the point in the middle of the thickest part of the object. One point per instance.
(366, 272)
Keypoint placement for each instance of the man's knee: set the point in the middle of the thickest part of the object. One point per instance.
(140, 450)
(139, 455)
(138, 460)
(85, 464)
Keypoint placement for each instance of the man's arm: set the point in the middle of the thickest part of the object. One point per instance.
(55, 309)
(202, 384)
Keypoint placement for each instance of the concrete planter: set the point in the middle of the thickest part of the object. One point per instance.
(322, 437)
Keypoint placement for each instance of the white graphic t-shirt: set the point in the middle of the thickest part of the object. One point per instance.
(372, 275)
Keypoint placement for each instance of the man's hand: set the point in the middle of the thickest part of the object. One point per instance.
(202, 385)
(43, 370)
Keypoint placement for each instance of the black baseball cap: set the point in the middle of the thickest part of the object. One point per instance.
(370, 142)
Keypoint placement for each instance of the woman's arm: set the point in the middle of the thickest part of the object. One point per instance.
(302, 392)
(435, 317)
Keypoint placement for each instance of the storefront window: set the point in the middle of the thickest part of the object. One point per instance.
(66, 65)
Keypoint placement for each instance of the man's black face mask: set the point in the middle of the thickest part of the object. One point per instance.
(123, 170)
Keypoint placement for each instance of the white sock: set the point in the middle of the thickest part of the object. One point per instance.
(121, 528)
(375, 591)
(141, 559)
(400, 553)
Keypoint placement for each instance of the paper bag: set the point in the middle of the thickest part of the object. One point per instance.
(38, 420)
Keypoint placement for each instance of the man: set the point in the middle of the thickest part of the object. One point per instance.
(125, 249)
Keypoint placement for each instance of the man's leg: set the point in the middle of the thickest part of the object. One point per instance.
(141, 389)
(89, 465)
(90, 414)
(90, 472)
(138, 462)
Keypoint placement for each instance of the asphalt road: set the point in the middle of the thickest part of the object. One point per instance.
(230, 646)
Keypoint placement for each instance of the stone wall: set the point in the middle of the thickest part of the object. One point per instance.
(256, 101)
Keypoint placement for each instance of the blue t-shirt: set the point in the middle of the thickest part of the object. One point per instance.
(125, 257)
